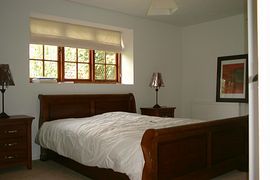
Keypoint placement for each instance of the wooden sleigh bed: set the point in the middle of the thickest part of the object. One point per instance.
(196, 151)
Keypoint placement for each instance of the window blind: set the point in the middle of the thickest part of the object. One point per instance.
(73, 35)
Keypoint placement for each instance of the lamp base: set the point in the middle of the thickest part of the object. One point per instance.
(3, 115)
(156, 106)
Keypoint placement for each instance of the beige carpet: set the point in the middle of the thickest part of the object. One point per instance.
(47, 170)
(50, 170)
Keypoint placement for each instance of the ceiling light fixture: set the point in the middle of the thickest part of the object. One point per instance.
(162, 7)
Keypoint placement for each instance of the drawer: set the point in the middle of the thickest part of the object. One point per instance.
(12, 157)
(13, 144)
(10, 131)
(161, 112)
(166, 113)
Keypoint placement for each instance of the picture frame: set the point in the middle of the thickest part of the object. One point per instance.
(232, 79)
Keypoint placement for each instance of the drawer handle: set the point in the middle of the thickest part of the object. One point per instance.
(11, 131)
(10, 144)
(10, 157)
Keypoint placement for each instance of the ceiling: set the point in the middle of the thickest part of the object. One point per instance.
(189, 11)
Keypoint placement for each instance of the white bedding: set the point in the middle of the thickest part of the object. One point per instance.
(110, 140)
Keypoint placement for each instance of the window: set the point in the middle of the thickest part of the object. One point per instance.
(74, 52)
(74, 64)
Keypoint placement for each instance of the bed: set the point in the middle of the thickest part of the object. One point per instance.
(195, 151)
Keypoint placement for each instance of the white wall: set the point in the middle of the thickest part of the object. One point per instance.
(201, 45)
(156, 48)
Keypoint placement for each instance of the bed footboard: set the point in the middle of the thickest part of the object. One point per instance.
(196, 151)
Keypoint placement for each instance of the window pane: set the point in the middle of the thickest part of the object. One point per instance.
(99, 72)
(50, 52)
(83, 71)
(50, 69)
(70, 54)
(110, 58)
(111, 72)
(35, 51)
(36, 69)
(100, 57)
(70, 71)
(83, 55)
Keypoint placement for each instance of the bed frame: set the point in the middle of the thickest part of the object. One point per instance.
(196, 151)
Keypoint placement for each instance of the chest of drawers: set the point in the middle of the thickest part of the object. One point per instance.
(16, 141)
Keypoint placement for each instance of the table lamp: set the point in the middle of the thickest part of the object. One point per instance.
(156, 82)
(5, 81)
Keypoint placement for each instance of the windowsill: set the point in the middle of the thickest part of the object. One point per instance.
(54, 81)
(44, 80)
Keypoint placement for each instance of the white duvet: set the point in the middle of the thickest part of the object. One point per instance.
(110, 140)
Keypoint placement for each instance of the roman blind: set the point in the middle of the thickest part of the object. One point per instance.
(73, 35)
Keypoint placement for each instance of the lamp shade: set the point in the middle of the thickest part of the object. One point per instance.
(5, 76)
(156, 80)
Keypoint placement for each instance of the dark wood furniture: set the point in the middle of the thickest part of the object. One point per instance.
(16, 141)
(195, 151)
(160, 112)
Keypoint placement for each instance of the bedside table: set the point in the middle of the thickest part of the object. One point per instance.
(16, 141)
(161, 112)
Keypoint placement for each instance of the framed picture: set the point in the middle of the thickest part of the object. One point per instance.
(232, 78)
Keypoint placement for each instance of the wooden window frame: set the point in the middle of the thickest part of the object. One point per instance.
(61, 67)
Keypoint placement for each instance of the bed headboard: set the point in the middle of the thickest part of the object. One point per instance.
(83, 105)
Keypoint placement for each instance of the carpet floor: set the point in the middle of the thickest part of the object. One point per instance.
(50, 170)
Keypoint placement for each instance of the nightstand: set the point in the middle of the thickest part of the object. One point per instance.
(161, 112)
(16, 141)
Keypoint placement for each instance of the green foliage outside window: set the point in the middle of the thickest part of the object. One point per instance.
(70, 54)
(50, 69)
(83, 71)
(99, 56)
(36, 69)
(36, 51)
(83, 55)
(110, 72)
(50, 52)
(43, 61)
